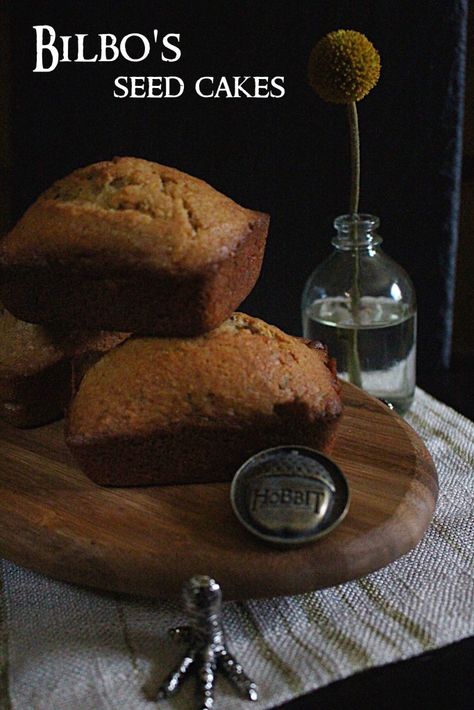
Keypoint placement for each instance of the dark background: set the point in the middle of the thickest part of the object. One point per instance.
(288, 157)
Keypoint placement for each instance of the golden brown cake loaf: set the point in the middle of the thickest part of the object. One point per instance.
(180, 410)
(35, 368)
(131, 245)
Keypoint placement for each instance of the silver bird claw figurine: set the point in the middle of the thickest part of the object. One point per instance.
(207, 649)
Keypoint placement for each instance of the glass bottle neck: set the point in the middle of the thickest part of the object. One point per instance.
(356, 232)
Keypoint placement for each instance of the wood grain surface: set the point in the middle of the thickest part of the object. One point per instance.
(147, 541)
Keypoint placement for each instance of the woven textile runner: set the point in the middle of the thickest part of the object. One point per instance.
(4, 675)
(66, 648)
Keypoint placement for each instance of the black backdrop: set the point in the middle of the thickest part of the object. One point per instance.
(288, 156)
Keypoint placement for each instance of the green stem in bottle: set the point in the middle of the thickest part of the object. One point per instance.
(354, 369)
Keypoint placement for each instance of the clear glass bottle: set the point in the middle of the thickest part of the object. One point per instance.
(362, 305)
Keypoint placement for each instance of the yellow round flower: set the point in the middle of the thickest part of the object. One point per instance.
(343, 67)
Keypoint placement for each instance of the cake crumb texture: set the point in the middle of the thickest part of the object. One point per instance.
(130, 212)
(135, 246)
(192, 409)
(36, 368)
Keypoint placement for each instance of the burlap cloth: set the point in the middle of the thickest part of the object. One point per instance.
(65, 648)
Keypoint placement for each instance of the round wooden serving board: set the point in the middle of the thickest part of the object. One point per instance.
(147, 541)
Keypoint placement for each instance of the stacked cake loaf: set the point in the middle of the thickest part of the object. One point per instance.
(36, 367)
(125, 276)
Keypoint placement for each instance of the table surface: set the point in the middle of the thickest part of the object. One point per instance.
(438, 679)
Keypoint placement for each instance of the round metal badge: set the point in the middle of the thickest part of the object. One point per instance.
(289, 495)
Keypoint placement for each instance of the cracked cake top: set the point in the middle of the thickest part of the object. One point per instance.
(245, 370)
(129, 212)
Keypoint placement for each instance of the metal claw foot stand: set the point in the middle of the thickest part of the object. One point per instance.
(207, 649)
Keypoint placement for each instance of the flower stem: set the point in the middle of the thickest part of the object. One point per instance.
(353, 359)
(355, 156)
